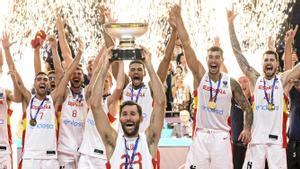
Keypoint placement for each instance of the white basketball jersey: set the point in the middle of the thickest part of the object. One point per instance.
(40, 140)
(72, 119)
(142, 157)
(267, 124)
(92, 143)
(4, 137)
(144, 99)
(207, 118)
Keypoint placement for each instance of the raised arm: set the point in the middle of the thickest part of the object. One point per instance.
(288, 75)
(159, 104)
(163, 67)
(18, 91)
(114, 99)
(6, 47)
(59, 72)
(96, 69)
(64, 46)
(59, 92)
(248, 70)
(271, 44)
(104, 16)
(194, 64)
(240, 98)
(107, 133)
(289, 38)
(37, 60)
(1, 60)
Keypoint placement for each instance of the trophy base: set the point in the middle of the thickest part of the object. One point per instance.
(126, 54)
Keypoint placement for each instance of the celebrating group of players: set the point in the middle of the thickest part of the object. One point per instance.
(69, 126)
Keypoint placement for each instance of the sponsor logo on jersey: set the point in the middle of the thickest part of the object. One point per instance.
(43, 126)
(264, 107)
(91, 122)
(73, 123)
(215, 111)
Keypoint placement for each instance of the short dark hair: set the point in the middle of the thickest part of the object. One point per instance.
(178, 57)
(131, 103)
(271, 52)
(40, 73)
(138, 62)
(51, 72)
(215, 49)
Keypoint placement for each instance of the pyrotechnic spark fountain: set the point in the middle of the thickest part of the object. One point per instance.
(204, 19)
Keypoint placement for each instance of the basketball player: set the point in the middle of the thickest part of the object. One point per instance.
(268, 130)
(133, 149)
(71, 120)
(135, 89)
(92, 149)
(6, 97)
(39, 149)
(211, 145)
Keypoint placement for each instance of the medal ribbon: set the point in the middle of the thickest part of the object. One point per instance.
(265, 90)
(138, 94)
(211, 98)
(38, 110)
(130, 162)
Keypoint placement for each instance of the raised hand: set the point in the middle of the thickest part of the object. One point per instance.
(5, 41)
(104, 14)
(290, 35)
(271, 43)
(231, 14)
(59, 23)
(52, 41)
(146, 55)
(80, 45)
(174, 15)
(217, 41)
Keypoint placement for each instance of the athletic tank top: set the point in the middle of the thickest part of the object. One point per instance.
(207, 118)
(5, 136)
(142, 157)
(40, 140)
(267, 124)
(92, 143)
(71, 126)
(143, 97)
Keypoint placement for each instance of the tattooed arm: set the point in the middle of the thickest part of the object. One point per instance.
(240, 98)
(248, 70)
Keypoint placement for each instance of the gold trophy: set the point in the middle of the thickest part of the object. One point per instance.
(126, 33)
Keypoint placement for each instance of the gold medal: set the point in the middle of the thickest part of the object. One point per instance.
(271, 107)
(212, 105)
(32, 122)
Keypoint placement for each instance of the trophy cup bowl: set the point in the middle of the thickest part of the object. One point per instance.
(126, 33)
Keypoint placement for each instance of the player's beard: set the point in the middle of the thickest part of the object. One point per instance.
(132, 133)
